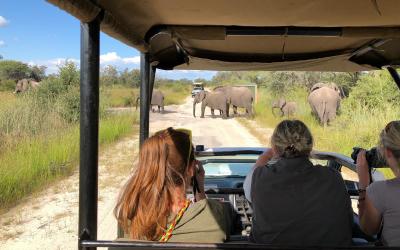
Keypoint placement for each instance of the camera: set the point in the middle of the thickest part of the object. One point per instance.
(374, 158)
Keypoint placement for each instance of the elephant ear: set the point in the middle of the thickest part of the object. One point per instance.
(203, 95)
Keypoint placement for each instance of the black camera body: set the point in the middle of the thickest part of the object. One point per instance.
(374, 158)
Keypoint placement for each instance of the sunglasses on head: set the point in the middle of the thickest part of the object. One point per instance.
(189, 133)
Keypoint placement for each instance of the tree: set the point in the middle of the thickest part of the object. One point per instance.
(130, 78)
(38, 72)
(109, 75)
(69, 73)
(14, 70)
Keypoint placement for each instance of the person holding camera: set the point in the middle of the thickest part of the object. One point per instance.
(154, 205)
(294, 201)
(379, 202)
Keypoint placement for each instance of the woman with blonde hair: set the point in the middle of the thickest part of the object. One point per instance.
(154, 205)
(379, 202)
(295, 202)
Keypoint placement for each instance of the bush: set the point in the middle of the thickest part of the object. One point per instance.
(68, 105)
(374, 90)
(7, 85)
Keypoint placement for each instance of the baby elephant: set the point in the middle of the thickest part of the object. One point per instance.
(287, 108)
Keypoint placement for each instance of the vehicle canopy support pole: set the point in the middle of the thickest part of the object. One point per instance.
(89, 129)
(395, 75)
(144, 96)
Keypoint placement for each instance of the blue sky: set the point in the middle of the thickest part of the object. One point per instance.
(36, 32)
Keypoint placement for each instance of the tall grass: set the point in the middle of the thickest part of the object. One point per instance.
(175, 93)
(121, 96)
(354, 126)
(35, 161)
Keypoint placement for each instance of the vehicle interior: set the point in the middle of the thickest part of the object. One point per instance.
(284, 35)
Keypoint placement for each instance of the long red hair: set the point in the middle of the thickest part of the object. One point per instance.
(145, 202)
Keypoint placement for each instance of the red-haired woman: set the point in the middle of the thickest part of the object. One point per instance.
(154, 205)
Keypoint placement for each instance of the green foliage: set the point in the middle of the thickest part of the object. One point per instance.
(109, 75)
(374, 90)
(38, 72)
(281, 81)
(36, 161)
(175, 93)
(68, 105)
(130, 78)
(13, 70)
(69, 74)
(7, 85)
(372, 103)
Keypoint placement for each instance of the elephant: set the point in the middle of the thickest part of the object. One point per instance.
(25, 84)
(213, 100)
(287, 108)
(324, 100)
(238, 97)
(157, 99)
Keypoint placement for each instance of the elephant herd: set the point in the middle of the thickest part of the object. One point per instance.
(324, 100)
(222, 97)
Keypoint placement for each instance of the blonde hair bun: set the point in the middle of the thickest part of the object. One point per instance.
(292, 138)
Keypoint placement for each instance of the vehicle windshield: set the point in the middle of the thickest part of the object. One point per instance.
(227, 169)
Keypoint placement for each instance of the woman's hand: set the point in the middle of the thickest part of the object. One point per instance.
(200, 175)
(265, 157)
(362, 170)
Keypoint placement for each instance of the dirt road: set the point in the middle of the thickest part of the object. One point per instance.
(49, 219)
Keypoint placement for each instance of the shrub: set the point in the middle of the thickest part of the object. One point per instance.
(374, 90)
(7, 85)
(68, 105)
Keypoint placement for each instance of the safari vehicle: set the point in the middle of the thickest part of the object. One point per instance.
(290, 35)
(197, 87)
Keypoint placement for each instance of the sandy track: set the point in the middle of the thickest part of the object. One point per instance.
(49, 219)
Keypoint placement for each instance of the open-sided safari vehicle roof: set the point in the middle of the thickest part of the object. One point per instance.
(329, 35)
(306, 35)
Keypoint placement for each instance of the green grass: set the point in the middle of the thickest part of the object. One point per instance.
(175, 93)
(7, 98)
(357, 126)
(120, 96)
(36, 161)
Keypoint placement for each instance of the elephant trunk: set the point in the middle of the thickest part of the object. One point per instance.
(194, 109)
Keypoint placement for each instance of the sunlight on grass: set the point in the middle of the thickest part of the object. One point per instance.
(35, 161)
(353, 126)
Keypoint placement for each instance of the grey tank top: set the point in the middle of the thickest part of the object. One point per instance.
(385, 196)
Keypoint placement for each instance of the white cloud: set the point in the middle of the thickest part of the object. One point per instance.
(3, 21)
(53, 64)
(112, 58)
(2, 43)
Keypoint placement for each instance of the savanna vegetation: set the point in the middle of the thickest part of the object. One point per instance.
(370, 101)
(122, 87)
(39, 130)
